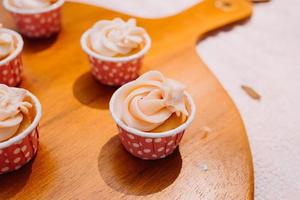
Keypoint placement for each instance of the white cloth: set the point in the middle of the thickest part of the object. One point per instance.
(264, 53)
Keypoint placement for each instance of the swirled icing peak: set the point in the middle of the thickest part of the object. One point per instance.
(116, 37)
(149, 101)
(7, 44)
(32, 4)
(12, 108)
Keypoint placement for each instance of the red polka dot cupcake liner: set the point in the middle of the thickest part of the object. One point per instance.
(149, 148)
(19, 150)
(147, 145)
(38, 23)
(11, 67)
(19, 153)
(114, 71)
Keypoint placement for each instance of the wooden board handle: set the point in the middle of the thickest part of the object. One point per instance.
(205, 16)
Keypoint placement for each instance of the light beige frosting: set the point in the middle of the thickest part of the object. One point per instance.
(147, 102)
(116, 37)
(31, 4)
(7, 44)
(12, 109)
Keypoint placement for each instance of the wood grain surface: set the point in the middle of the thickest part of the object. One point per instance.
(80, 156)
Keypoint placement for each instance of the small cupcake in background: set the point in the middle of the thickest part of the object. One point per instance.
(20, 113)
(11, 45)
(115, 49)
(36, 18)
(152, 114)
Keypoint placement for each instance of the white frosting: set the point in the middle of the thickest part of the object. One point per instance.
(31, 4)
(147, 102)
(116, 37)
(12, 108)
(7, 44)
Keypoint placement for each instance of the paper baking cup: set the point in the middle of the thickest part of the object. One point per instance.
(19, 150)
(114, 70)
(37, 23)
(151, 146)
(11, 67)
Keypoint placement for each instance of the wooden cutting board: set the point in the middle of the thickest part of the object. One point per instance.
(80, 156)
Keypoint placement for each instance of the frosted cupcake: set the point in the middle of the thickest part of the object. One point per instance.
(11, 45)
(115, 49)
(20, 112)
(36, 18)
(152, 114)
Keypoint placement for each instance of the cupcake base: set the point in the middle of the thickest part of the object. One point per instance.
(11, 72)
(37, 23)
(18, 154)
(115, 73)
(42, 25)
(149, 148)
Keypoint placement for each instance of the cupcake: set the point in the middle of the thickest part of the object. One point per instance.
(20, 113)
(115, 49)
(152, 114)
(11, 45)
(36, 18)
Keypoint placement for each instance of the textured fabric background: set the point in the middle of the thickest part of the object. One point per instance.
(263, 53)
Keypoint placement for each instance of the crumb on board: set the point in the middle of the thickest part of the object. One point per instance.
(205, 131)
(251, 92)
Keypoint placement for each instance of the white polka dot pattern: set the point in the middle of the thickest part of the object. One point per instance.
(115, 73)
(149, 148)
(41, 25)
(11, 72)
(18, 154)
(148, 140)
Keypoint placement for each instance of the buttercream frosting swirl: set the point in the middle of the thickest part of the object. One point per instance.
(12, 108)
(7, 44)
(147, 102)
(32, 4)
(116, 37)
